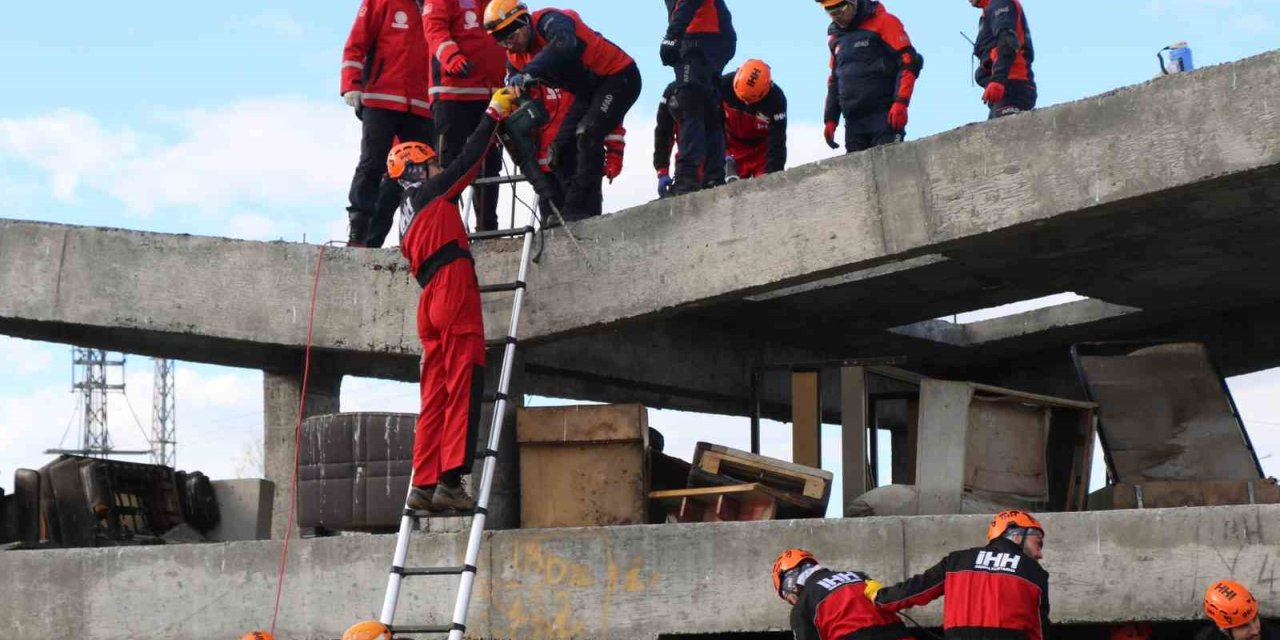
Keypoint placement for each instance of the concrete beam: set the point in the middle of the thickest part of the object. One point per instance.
(623, 583)
(1101, 173)
(281, 402)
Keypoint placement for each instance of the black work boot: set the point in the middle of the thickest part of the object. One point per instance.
(448, 498)
(357, 227)
(684, 184)
(450, 495)
(420, 498)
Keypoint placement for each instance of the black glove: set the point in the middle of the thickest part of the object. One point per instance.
(670, 51)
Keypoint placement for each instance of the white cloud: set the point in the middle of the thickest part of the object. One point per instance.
(251, 226)
(25, 356)
(278, 152)
(277, 24)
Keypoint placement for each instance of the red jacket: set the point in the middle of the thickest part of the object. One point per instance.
(568, 54)
(458, 26)
(834, 606)
(431, 230)
(993, 593)
(386, 56)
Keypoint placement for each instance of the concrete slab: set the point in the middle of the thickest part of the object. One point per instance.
(244, 507)
(1150, 197)
(622, 583)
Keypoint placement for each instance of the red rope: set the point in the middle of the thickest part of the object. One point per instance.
(297, 440)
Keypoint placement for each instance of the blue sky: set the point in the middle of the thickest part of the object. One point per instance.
(224, 119)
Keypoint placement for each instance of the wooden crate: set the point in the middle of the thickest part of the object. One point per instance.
(809, 488)
(583, 465)
(732, 503)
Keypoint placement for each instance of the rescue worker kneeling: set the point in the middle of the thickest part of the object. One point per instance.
(450, 323)
(554, 47)
(1234, 612)
(997, 591)
(755, 127)
(830, 605)
(873, 74)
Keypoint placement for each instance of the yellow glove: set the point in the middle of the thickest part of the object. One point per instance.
(502, 103)
(872, 588)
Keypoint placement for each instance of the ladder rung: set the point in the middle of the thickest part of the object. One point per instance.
(438, 628)
(433, 571)
(506, 286)
(499, 180)
(500, 233)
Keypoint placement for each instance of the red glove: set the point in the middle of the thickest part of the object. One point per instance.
(829, 132)
(994, 93)
(454, 63)
(614, 146)
(898, 116)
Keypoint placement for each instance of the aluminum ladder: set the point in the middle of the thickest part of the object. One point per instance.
(409, 520)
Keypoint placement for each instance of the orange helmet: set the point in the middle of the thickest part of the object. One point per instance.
(258, 635)
(753, 81)
(1229, 604)
(1131, 631)
(406, 154)
(788, 560)
(367, 630)
(1003, 521)
(831, 4)
(501, 14)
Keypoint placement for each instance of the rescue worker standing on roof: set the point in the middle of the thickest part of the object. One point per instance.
(874, 69)
(467, 66)
(996, 592)
(755, 127)
(450, 321)
(699, 42)
(1234, 612)
(556, 48)
(830, 605)
(384, 78)
(1004, 55)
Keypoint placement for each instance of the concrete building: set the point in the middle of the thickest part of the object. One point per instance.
(1153, 201)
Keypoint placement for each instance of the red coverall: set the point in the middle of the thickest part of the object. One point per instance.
(450, 322)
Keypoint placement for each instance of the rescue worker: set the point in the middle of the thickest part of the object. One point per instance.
(755, 127)
(996, 591)
(830, 605)
(557, 102)
(1234, 612)
(450, 323)
(367, 630)
(874, 69)
(699, 42)
(556, 48)
(384, 78)
(466, 67)
(1004, 55)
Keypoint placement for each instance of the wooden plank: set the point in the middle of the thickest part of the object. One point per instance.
(583, 424)
(809, 482)
(806, 419)
(721, 504)
(573, 485)
(853, 431)
(1034, 398)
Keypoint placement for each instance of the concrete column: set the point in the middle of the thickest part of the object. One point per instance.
(504, 500)
(806, 419)
(853, 434)
(940, 458)
(280, 399)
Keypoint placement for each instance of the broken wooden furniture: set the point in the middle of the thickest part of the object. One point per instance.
(1170, 430)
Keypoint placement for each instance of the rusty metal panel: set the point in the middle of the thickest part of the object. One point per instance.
(1005, 448)
(1165, 413)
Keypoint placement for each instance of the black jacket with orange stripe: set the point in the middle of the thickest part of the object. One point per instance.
(833, 605)
(993, 593)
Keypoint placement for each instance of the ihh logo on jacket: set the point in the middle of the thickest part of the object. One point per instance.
(831, 582)
(990, 561)
(401, 20)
